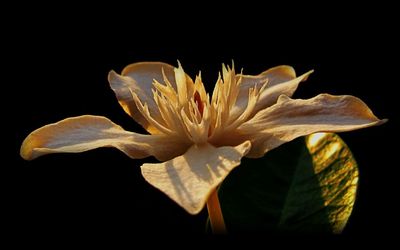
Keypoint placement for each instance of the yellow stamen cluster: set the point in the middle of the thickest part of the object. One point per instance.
(187, 112)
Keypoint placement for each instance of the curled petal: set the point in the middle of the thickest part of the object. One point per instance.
(280, 80)
(83, 133)
(139, 79)
(292, 118)
(274, 76)
(190, 178)
(274, 89)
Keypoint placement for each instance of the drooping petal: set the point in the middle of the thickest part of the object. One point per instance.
(83, 133)
(138, 78)
(292, 118)
(280, 80)
(190, 178)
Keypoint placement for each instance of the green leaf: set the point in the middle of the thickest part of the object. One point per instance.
(307, 185)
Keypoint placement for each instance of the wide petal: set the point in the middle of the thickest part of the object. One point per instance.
(138, 78)
(83, 133)
(189, 179)
(281, 80)
(292, 118)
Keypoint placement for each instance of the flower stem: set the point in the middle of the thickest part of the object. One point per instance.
(215, 214)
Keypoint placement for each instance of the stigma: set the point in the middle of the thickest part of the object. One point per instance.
(199, 103)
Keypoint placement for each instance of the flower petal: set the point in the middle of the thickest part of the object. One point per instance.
(275, 88)
(275, 75)
(292, 118)
(138, 78)
(189, 179)
(83, 133)
(281, 80)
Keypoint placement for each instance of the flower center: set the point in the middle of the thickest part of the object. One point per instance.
(199, 103)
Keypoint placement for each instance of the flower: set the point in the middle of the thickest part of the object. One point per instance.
(199, 138)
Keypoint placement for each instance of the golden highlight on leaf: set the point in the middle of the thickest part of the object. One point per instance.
(339, 180)
(307, 185)
(314, 139)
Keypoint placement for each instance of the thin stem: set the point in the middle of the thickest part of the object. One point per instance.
(214, 212)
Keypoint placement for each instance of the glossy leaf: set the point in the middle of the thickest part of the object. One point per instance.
(307, 185)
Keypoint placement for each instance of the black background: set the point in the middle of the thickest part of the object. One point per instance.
(57, 66)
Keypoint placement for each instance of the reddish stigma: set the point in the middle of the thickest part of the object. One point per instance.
(197, 100)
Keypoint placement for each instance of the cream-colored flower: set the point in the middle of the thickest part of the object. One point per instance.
(199, 138)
